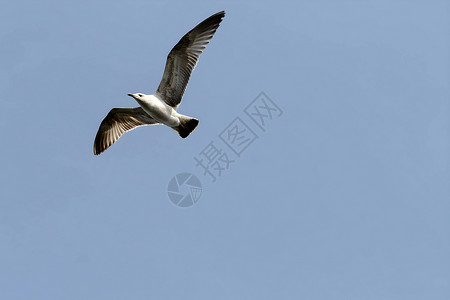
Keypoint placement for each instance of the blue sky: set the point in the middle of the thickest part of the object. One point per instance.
(344, 196)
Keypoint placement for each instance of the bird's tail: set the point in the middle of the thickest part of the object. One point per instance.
(187, 125)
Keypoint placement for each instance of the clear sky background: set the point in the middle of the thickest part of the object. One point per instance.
(345, 196)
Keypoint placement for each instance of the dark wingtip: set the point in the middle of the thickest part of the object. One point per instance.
(220, 14)
(217, 16)
(98, 149)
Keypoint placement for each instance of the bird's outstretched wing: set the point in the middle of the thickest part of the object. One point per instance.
(183, 58)
(117, 122)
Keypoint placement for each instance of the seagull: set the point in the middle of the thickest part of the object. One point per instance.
(161, 107)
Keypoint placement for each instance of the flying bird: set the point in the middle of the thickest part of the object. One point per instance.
(161, 107)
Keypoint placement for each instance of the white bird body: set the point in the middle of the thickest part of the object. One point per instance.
(158, 109)
(161, 107)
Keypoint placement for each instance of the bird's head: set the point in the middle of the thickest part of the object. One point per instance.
(137, 96)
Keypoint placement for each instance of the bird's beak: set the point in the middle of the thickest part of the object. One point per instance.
(131, 95)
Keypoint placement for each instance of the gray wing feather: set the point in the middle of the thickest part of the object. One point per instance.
(117, 122)
(183, 58)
